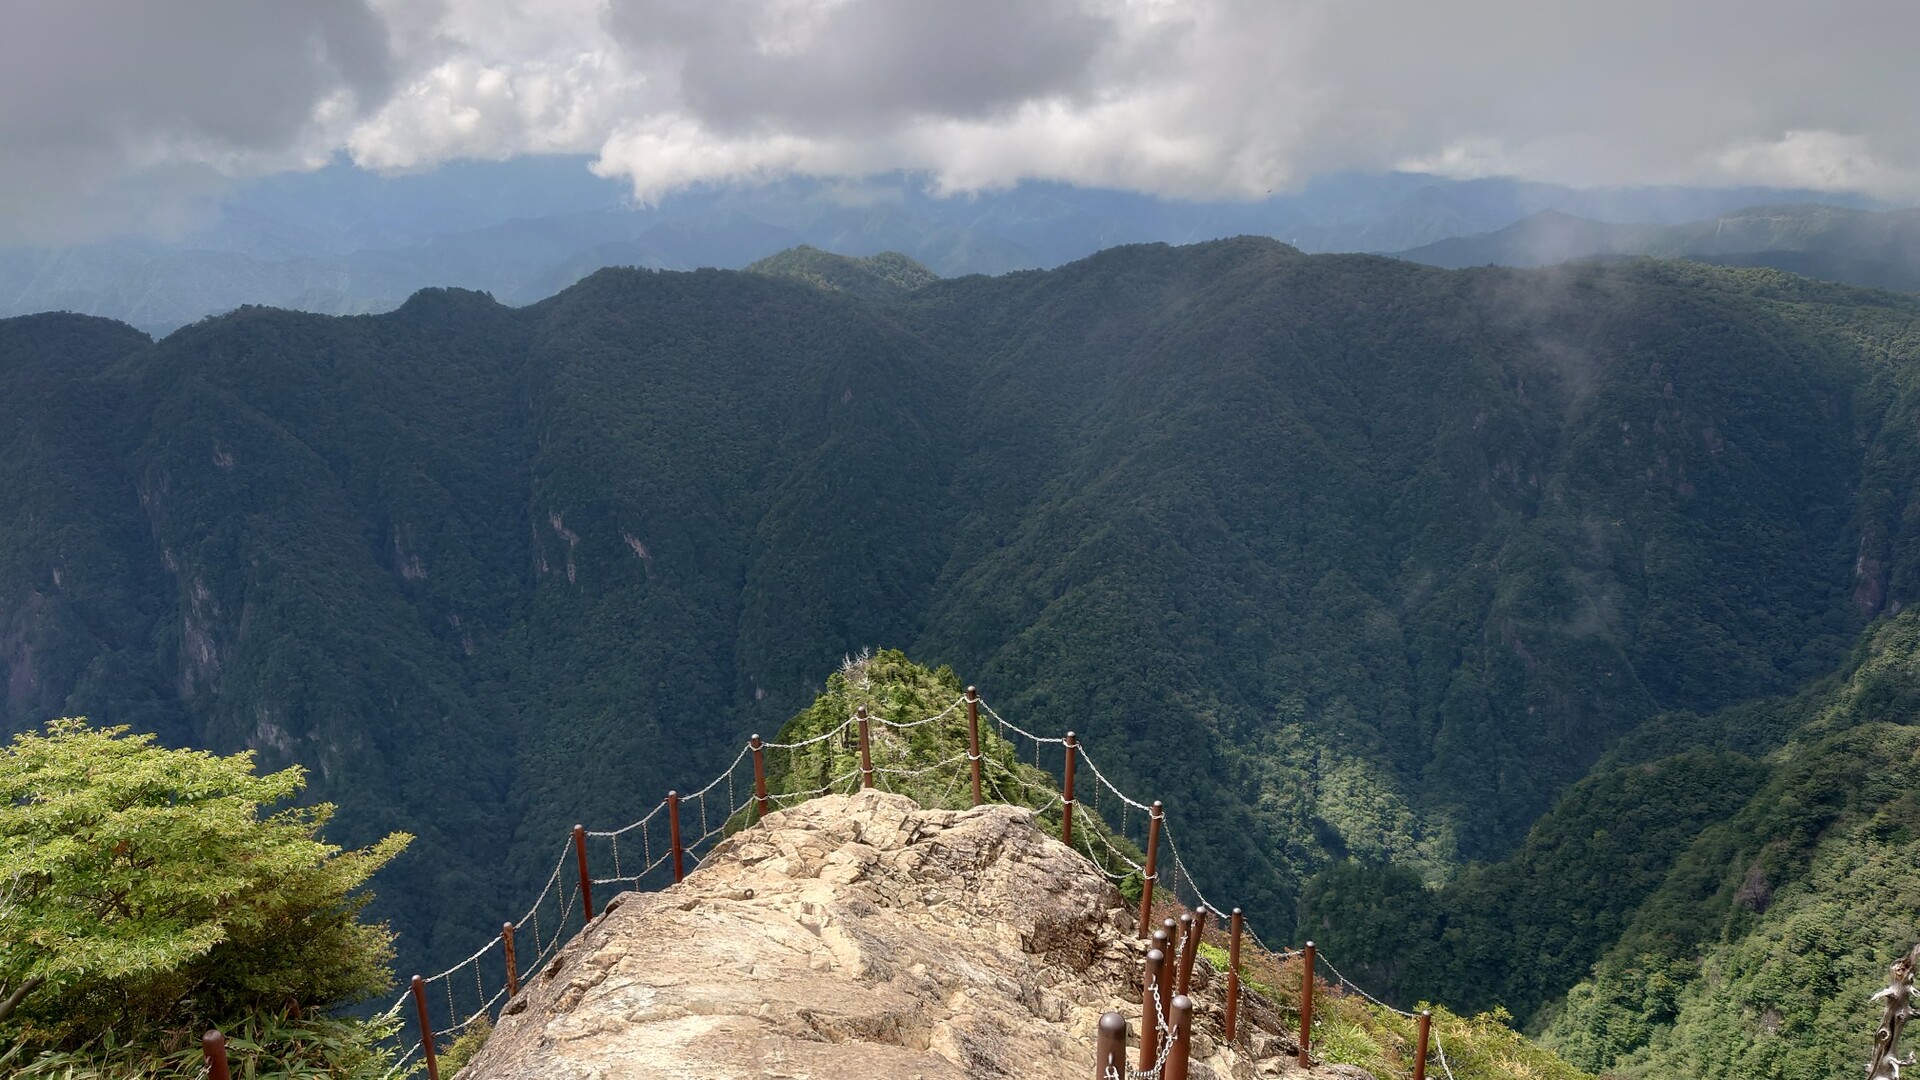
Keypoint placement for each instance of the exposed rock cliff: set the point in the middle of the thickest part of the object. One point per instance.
(856, 937)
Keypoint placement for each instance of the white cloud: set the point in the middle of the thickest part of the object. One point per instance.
(1812, 159)
(1180, 97)
(466, 107)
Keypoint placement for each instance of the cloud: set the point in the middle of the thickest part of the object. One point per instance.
(852, 66)
(1200, 98)
(108, 106)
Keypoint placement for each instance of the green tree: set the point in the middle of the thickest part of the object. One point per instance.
(148, 892)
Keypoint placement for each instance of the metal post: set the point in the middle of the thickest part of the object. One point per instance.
(1171, 947)
(759, 777)
(973, 738)
(1233, 973)
(1174, 938)
(586, 880)
(513, 967)
(1149, 1018)
(1194, 935)
(1153, 861)
(426, 1027)
(213, 1047)
(1306, 1008)
(673, 826)
(1109, 1052)
(1066, 808)
(1180, 1021)
(1185, 923)
(866, 756)
(1420, 1051)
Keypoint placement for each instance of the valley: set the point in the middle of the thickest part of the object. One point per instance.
(1413, 577)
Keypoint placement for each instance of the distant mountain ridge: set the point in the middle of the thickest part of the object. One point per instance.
(341, 241)
(1852, 246)
(886, 276)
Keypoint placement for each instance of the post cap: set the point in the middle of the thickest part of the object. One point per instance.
(1113, 1024)
(861, 712)
(1070, 736)
(506, 927)
(673, 795)
(1236, 911)
(754, 738)
(1155, 956)
(418, 981)
(973, 691)
(214, 1038)
(1157, 808)
(1182, 1003)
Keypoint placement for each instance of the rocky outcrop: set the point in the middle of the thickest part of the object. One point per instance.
(855, 937)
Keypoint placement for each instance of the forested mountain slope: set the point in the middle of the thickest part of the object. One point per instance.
(1343, 554)
(1722, 895)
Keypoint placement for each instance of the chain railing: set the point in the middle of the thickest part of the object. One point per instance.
(476, 986)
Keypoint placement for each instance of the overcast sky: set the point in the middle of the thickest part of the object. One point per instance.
(116, 114)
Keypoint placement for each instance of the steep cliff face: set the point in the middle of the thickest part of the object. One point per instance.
(864, 937)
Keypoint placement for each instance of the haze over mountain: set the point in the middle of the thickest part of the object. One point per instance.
(1845, 244)
(1365, 560)
(342, 241)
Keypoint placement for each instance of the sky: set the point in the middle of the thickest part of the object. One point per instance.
(124, 115)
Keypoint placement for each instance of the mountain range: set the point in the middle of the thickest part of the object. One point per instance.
(1845, 244)
(1366, 568)
(341, 240)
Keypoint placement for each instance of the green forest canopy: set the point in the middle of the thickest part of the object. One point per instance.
(150, 894)
(1375, 562)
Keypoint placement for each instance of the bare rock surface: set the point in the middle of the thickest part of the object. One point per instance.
(856, 936)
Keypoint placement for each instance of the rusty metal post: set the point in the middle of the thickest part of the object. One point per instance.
(513, 966)
(1153, 862)
(1233, 973)
(973, 738)
(866, 756)
(426, 1027)
(759, 777)
(1109, 1051)
(586, 881)
(1306, 1009)
(673, 826)
(1066, 807)
(1186, 947)
(1172, 928)
(213, 1047)
(1420, 1051)
(1195, 934)
(1180, 1023)
(1149, 1016)
(1171, 947)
